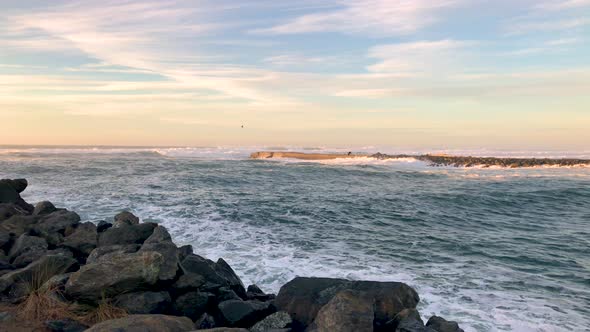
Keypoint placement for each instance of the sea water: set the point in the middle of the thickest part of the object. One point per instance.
(494, 249)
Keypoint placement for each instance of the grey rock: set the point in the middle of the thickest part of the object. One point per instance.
(125, 218)
(53, 226)
(123, 273)
(237, 313)
(255, 293)
(27, 249)
(278, 320)
(206, 321)
(17, 225)
(223, 329)
(225, 293)
(439, 324)
(103, 226)
(9, 193)
(106, 252)
(193, 304)
(83, 240)
(65, 325)
(8, 210)
(161, 242)
(216, 275)
(145, 323)
(45, 268)
(44, 207)
(184, 251)
(57, 282)
(159, 235)
(126, 234)
(404, 318)
(143, 302)
(349, 310)
(19, 185)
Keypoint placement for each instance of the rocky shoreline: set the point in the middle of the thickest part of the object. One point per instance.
(58, 273)
(434, 160)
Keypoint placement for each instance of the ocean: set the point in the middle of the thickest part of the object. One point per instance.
(494, 249)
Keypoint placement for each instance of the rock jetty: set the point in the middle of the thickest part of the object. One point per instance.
(434, 159)
(58, 273)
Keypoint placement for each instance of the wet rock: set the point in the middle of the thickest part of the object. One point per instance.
(8, 210)
(215, 275)
(57, 282)
(223, 268)
(123, 273)
(125, 218)
(46, 267)
(27, 249)
(225, 293)
(65, 325)
(126, 234)
(223, 329)
(302, 298)
(184, 251)
(143, 302)
(439, 324)
(255, 293)
(161, 242)
(406, 319)
(103, 226)
(237, 313)
(107, 251)
(52, 226)
(193, 304)
(188, 282)
(348, 310)
(19, 185)
(9, 193)
(205, 322)
(17, 225)
(42, 208)
(83, 240)
(278, 320)
(145, 323)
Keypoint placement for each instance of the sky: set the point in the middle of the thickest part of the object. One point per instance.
(422, 73)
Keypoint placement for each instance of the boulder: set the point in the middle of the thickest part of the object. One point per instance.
(83, 240)
(17, 225)
(215, 275)
(348, 311)
(278, 320)
(125, 218)
(193, 304)
(126, 234)
(57, 282)
(238, 313)
(225, 293)
(302, 298)
(184, 251)
(9, 193)
(206, 321)
(143, 302)
(65, 325)
(8, 210)
(27, 249)
(53, 226)
(188, 282)
(5, 239)
(145, 323)
(255, 293)
(44, 268)
(19, 185)
(123, 273)
(223, 329)
(161, 242)
(405, 319)
(43, 208)
(103, 226)
(107, 251)
(439, 324)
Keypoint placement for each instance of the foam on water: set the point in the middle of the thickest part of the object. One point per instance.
(495, 249)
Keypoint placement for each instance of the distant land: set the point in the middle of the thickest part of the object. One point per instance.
(433, 159)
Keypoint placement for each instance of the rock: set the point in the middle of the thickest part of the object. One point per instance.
(19, 185)
(188, 282)
(144, 323)
(27, 249)
(193, 304)
(406, 319)
(5, 239)
(215, 275)
(108, 251)
(6, 316)
(9, 193)
(255, 293)
(57, 282)
(125, 218)
(278, 320)
(44, 268)
(65, 325)
(348, 311)
(161, 242)
(103, 226)
(43, 208)
(126, 234)
(184, 251)
(302, 298)
(237, 313)
(83, 240)
(17, 225)
(223, 268)
(123, 273)
(225, 293)
(143, 302)
(439, 324)
(223, 329)
(205, 322)
(8, 210)
(52, 226)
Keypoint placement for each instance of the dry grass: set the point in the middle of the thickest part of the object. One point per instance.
(105, 311)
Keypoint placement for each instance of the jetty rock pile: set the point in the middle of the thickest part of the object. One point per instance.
(126, 275)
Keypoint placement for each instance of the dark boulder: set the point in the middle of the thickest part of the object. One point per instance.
(19, 185)
(107, 251)
(225, 293)
(17, 225)
(120, 274)
(145, 323)
(8, 210)
(255, 293)
(405, 319)
(302, 298)
(193, 304)
(439, 324)
(126, 234)
(161, 242)
(206, 321)
(103, 226)
(65, 325)
(9, 193)
(44, 268)
(237, 313)
(184, 251)
(27, 249)
(43, 208)
(348, 310)
(188, 282)
(53, 226)
(125, 218)
(143, 302)
(278, 320)
(215, 275)
(83, 239)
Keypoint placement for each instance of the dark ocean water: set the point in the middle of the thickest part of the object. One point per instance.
(494, 249)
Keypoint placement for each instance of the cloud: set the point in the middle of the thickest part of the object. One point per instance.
(557, 5)
(372, 17)
(545, 25)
